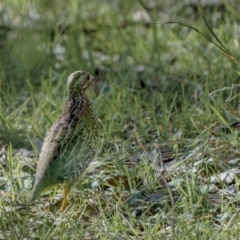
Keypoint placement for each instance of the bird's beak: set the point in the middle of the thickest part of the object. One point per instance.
(92, 79)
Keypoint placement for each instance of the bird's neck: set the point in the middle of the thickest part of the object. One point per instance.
(81, 108)
(76, 95)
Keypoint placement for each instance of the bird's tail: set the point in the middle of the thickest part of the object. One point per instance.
(36, 191)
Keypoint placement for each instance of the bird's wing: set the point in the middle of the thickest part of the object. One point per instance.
(48, 154)
(54, 137)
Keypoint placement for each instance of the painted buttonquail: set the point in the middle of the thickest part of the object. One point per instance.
(70, 144)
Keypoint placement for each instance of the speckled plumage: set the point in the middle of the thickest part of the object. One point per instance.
(70, 144)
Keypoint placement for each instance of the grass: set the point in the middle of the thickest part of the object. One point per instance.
(153, 97)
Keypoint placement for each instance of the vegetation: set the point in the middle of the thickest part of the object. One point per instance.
(163, 169)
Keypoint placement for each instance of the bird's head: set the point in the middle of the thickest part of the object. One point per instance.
(78, 82)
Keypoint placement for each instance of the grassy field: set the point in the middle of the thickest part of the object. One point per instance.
(163, 169)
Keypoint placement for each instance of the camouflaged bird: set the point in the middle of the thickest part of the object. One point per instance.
(70, 144)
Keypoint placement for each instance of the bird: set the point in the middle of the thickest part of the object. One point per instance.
(71, 143)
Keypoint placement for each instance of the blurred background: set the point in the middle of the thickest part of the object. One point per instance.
(36, 36)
